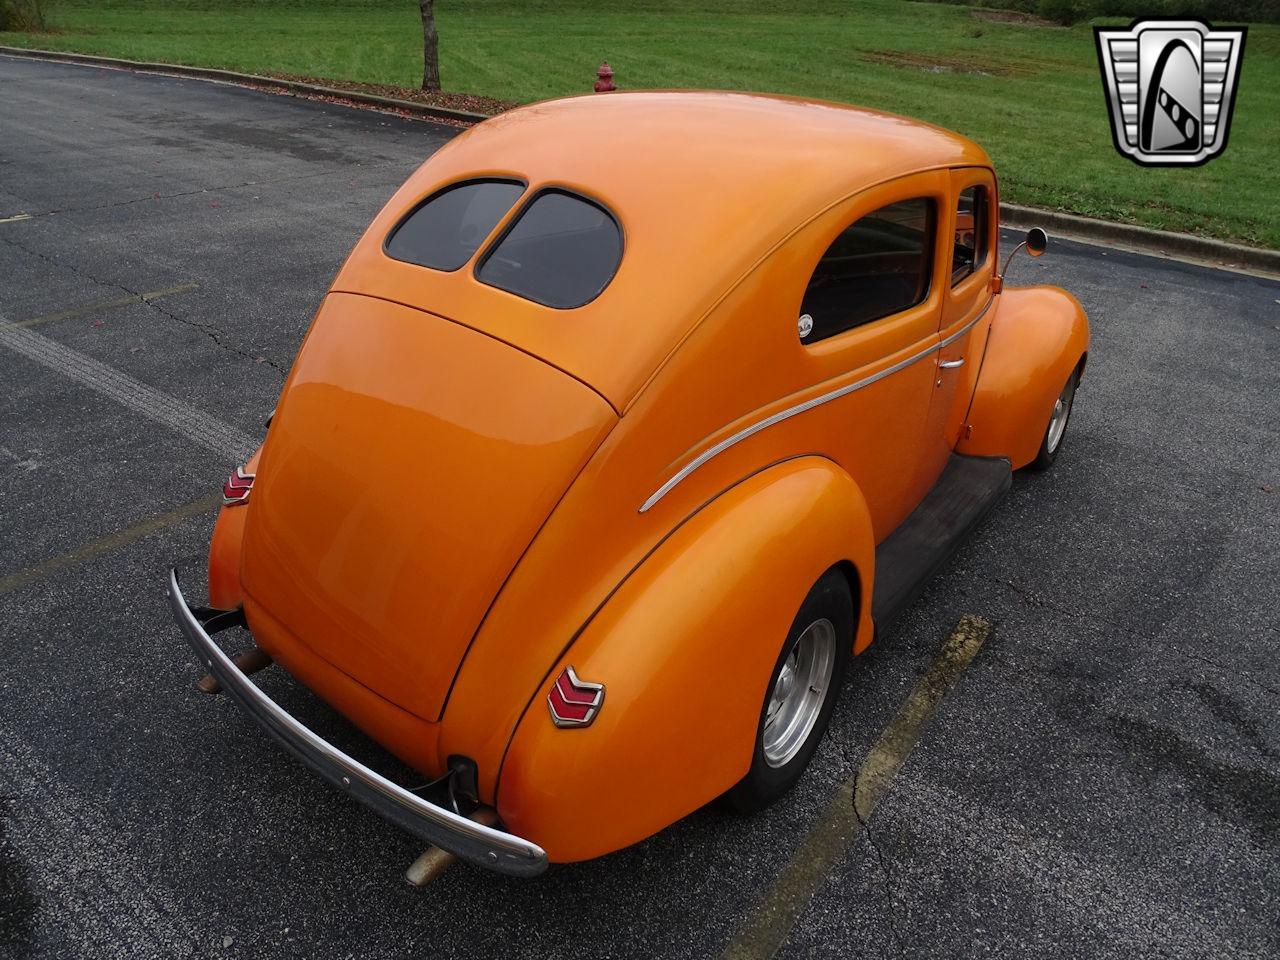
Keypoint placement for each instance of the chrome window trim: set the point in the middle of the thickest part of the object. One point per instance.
(789, 412)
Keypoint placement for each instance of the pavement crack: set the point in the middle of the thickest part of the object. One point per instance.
(886, 883)
(1213, 663)
(1032, 599)
(210, 331)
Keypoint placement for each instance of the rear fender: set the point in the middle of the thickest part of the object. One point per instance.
(1038, 337)
(224, 549)
(685, 648)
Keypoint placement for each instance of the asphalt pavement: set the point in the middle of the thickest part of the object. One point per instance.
(1103, 780)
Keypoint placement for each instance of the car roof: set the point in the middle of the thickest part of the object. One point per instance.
(704, 185)
(661, 136)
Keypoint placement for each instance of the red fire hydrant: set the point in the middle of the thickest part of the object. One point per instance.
(605, 82)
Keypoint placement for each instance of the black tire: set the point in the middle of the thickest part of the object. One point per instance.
(1047, 454)
(829, 599)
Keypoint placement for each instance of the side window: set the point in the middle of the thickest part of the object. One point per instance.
(878, 266)
(969, 251)
(445, 230)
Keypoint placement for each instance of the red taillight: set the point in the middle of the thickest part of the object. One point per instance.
(236, 489)
(574, 702)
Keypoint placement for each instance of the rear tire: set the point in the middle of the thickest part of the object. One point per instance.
(801, 694)
(1055, 433)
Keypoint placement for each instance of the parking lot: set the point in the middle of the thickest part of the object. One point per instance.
(1103, 780)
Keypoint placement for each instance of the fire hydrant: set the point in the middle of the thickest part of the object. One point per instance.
(605, 82)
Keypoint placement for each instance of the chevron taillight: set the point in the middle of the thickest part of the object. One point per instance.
(574, 702)
(236, 489)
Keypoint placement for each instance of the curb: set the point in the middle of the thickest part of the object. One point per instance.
(1164, 243)
(253, 80)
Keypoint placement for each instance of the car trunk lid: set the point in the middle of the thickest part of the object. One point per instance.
(410, 463)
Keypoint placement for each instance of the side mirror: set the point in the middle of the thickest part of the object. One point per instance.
(1037, 241)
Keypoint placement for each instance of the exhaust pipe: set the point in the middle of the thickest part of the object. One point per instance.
(249, 662)
(433, 861)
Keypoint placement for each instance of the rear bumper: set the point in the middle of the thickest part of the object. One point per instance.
(469, 840)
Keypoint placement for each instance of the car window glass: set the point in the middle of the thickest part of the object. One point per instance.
(969, 250)
(878, 266)
(561, 251)
(446, 230)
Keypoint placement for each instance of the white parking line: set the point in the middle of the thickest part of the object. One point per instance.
(183, 419)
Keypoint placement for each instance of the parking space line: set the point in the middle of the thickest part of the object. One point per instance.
(111, 541)
(767, 929)
(99, 306)
(182, 418)
(15, 218)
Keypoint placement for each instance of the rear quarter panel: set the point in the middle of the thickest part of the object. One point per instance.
(685, 647)
(225, 591)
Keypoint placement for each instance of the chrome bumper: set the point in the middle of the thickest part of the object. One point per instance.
(469, 840)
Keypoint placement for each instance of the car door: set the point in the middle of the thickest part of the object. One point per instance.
(869, 327)
(965, 321)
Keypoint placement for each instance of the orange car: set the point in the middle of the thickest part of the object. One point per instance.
(626, 424)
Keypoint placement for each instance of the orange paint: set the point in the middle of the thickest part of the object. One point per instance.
(448, 508)
(1039, 335)
(224, 550)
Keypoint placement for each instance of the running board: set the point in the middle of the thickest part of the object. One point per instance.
(909, 557)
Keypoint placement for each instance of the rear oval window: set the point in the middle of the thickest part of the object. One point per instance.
(448, 227)
(561, 251)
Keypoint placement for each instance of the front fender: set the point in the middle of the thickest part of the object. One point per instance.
(1039, 335)
(685, 647)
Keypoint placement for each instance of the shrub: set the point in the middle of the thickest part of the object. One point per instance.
(23, 16)
(1073, 11)
(1065, 12)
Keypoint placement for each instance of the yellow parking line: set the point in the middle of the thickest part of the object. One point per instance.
(100, 305)
(108, 543)
(767, 929)
(15, 217)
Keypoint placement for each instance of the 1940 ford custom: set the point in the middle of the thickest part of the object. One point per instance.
(622, 429)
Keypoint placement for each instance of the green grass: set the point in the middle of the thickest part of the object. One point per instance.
(1040, 113)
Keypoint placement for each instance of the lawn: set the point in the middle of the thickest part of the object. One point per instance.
(1029, 92)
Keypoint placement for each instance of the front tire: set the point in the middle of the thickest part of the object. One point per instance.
(800, 695)
(1055, 433)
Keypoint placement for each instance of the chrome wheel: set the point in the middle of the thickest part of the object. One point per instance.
(1061, 411)
(799, 692)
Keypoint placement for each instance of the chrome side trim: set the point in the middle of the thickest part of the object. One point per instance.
(803, 407)
(469, 840)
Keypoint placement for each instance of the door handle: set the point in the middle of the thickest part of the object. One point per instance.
(951, 364)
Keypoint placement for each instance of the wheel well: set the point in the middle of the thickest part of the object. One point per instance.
(850, 573)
